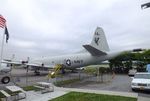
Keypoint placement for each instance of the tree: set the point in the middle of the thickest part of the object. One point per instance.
(125, 60)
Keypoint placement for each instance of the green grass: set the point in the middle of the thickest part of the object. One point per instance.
(65, 82)
(29, 88)
(78, 96)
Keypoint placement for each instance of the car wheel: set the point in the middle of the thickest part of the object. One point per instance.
(5, 80)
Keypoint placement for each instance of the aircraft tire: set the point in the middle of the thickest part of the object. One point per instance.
(5, 80)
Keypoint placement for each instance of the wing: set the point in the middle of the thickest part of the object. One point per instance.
(40, 65)
(13, 62)
(26, 64)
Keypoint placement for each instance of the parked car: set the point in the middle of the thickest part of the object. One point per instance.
(132, 72)
(141, 81)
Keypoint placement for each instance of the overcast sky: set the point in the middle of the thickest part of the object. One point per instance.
(40, 28)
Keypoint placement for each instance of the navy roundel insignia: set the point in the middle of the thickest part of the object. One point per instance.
(68, 62)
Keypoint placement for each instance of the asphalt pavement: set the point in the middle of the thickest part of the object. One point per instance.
(120, 83)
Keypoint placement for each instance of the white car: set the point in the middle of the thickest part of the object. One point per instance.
(141, 81)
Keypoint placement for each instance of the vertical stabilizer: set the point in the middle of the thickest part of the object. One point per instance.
(99, 40)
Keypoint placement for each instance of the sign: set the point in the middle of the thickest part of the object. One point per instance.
(148, 68)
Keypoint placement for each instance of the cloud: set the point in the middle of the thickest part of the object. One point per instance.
(55, 27)
(23, 44)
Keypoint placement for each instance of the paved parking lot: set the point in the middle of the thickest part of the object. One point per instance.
(120, 83)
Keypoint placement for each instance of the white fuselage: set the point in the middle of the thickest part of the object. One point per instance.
(74, 60)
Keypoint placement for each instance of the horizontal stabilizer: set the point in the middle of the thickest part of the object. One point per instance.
(93, 51)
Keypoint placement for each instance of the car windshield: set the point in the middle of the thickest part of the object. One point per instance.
(143, 76)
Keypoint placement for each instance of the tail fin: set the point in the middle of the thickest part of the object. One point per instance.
(99, 45)
(99, 40)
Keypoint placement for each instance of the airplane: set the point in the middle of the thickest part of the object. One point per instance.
(93, 54)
